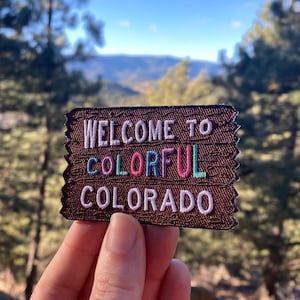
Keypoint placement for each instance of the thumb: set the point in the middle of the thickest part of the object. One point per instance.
(121, 266)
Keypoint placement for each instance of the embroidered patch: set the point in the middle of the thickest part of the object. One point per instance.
(164, 165)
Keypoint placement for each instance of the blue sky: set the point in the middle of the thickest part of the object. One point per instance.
(185, 28)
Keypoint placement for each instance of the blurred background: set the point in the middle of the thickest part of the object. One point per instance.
(57, 55)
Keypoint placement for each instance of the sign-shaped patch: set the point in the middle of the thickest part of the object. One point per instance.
(164, 165)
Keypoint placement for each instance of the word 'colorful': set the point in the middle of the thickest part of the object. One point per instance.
(149, 164)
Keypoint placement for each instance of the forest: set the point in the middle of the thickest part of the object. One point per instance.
(260, 258)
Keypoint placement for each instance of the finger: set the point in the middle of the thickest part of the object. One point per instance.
(87, 287)
(177, 282)
(69, 269)
(120, 271)
(160, 248)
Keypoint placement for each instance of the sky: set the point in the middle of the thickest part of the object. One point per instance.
(197, 29)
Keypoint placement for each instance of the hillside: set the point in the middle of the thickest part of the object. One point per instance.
(113, 93)
(126, 78)
(132, 70)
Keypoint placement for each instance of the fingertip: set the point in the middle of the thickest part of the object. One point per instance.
(120, 270)
(161, 242)
(122, 234)
(180, 269)
(177, 282)
(122, 217)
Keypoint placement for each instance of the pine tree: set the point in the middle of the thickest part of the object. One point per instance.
(264, 84)
(32, 56)
(177, 88)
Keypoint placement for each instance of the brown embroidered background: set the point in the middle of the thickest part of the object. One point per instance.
(216, 156)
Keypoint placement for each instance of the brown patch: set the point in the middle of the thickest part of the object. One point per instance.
(130, 156)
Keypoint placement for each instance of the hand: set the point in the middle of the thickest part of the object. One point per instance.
(122, 260)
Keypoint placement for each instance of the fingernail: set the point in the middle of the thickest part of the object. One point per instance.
(122, 233)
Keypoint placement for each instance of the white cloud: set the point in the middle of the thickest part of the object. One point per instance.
(236, 24)
(154, 28)
(125, 24)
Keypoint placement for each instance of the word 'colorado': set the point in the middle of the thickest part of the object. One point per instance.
(147, 199)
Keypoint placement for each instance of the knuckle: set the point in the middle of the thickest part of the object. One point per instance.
(113, 289)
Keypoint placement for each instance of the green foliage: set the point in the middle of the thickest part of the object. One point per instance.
(35, 89)
(20, 168)
(176, 88)
(262, 81)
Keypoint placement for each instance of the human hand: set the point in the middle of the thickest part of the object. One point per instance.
(122, 260)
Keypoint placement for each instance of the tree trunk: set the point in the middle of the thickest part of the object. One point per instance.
(277, 246)
(32, 262)
(273, 267)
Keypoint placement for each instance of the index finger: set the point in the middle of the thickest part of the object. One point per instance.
(68, 271)
(161, 242)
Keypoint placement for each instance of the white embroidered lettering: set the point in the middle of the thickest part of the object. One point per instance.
(138, 199)
(168, 201)
(182, 201)
(168, 129)
(82, 196)
(90, 131)
(101, 133)
(200, 202)
(150, 195)
(155, 131)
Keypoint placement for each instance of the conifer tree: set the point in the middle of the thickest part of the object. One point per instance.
(177, 88)
(33, 58)
(263, 83)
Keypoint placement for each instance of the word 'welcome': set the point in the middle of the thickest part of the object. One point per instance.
(96, 132)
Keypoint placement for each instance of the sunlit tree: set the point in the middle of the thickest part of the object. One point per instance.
(34, 53)
(263, 83)
(177, 88)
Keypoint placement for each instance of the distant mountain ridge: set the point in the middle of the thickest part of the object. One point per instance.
(130, 70)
